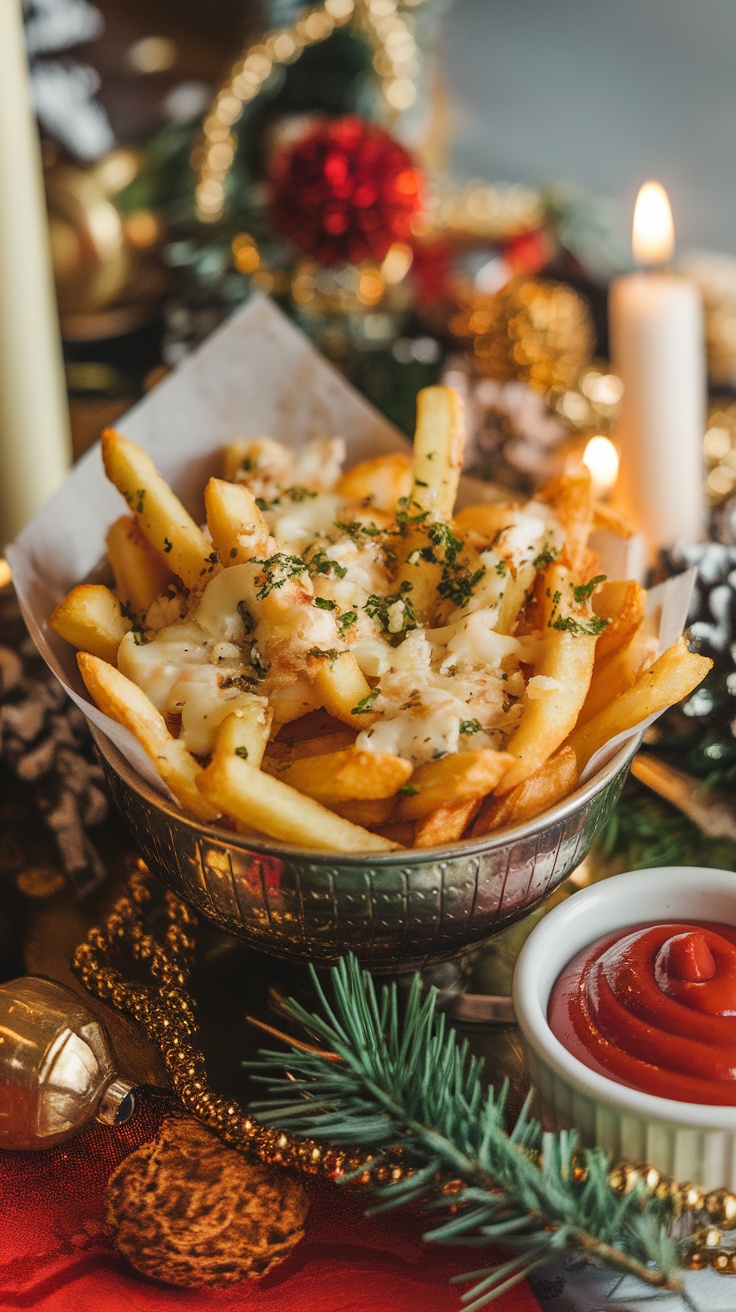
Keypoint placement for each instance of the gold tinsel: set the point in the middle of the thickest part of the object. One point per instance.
(537, 331)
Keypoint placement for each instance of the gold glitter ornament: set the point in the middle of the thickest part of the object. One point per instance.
(531, 330)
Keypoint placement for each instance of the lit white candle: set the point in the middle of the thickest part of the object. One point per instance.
(601, 458)
(657, 348)
(34, 422)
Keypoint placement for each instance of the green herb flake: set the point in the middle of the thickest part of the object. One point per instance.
(330, 653)
(365, 703)
(346, 621)
(325, 603)
(320, 564)
(167, 546)
(567, 624)
(546, 557)
(246, 617)
(276, 571)
(470, 726)
(408, 790)
(242, 752)
(583, 591)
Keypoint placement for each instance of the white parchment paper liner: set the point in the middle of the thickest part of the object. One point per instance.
(256, 375)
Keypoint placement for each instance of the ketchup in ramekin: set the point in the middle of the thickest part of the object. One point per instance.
(654, 1007)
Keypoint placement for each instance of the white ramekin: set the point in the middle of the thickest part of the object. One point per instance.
(688, 1141)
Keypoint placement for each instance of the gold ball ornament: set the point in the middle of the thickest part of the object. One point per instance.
(532, 330)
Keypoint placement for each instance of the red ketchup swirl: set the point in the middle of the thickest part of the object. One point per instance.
(654, 1007)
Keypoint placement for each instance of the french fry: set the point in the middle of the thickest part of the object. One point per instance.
(381, 482)
(548, 719)
(140, 573)
(90, 618)
(445, 825)
(462, 776)
(293, 700)
(162, 518)
(672, 676)
(608, 517)
(121, 699)
(238, 528)
(542, 790)
(289, 750)
(399, 833)
(344, 776)
(439, 444)
(232, 785)
(570, 496)
(340, 686)
(623, 604)
(370, 812)
(618, 672)
(485, 520)
(245, 733)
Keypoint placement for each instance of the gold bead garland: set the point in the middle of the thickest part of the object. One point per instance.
(394, 59)
(166, 1012)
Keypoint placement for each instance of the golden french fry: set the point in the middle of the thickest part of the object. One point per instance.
(542, 790)
(344, 776)
(245, 733)
(549, 713)
(287, 749)
(445, 825)
(140, 573)
(439, 445)
(238, 528)
(340, 686)
(121, 699)
(623, 604)
(90, 618)
(164, 522)
(369, 812)
(672, 676)
(381, 482)
(399, 833)
(571, 498)
(233, 785)
(462, 776)
(608, 517)
(292, 700)
(617, 672)
(485, 520)
(250, 456)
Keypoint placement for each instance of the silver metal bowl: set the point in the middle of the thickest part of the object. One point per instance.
(397, 911)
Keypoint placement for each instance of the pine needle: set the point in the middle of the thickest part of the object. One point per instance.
(413, 1084)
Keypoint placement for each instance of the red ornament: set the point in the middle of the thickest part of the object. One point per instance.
(345, 192)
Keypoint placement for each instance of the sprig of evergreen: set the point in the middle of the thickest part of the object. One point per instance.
(411, 1084)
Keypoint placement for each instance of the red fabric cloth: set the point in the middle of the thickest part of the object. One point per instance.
(56, 1253)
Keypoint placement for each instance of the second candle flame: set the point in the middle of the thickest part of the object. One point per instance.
(654, 233)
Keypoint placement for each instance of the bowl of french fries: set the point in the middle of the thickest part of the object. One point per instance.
(370, 712)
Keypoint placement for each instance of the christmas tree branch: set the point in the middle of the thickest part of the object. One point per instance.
(410, 1086)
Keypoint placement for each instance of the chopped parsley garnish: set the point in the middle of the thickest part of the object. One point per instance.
(458, 584)
(276, 571)
(365, 703)
(139, 636)
(501, 568)
(167, 546)
(404, 515)
(246, 617)
(545, 557)
(242, 752)
(378, 609)
(357, 531)
(262, 503)
(298, 493)
(442, 536)
(325, 603)
(583, 591)
(568, 624)
(126, 611)
(331, 653)
(320, 564)
(409, 790)
(140, 497)
(346, 621)
(248, 464)
(470, 726)
(260, 669)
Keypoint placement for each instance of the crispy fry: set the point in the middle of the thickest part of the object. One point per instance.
(618, 671)
(162, 518)
(542, 790)
(140, 573)
(381, 481)
(344, 776)
(233, 785)
(121, 699)
(245, 733)
(606, 516)
(548, 718)
(238, 528)
(287, 749)
(90, 619)
(463, 776)
(672, 676)
(571, 498)
(487, 520)
(371, 812)
(445, 825)
(340, 686)
(439, 444)
(623, 604)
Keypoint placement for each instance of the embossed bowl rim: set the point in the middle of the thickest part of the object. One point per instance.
(467, 847)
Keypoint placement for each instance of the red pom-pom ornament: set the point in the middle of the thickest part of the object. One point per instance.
(345, 192)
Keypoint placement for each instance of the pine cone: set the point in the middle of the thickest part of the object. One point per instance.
(189, 1211)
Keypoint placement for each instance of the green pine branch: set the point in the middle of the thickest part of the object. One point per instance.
(409, 1083)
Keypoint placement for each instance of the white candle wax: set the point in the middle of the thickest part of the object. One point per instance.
(34, 422)
(658, 350)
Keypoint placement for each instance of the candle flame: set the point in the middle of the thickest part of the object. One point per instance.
(654, 233)
(601, 458)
